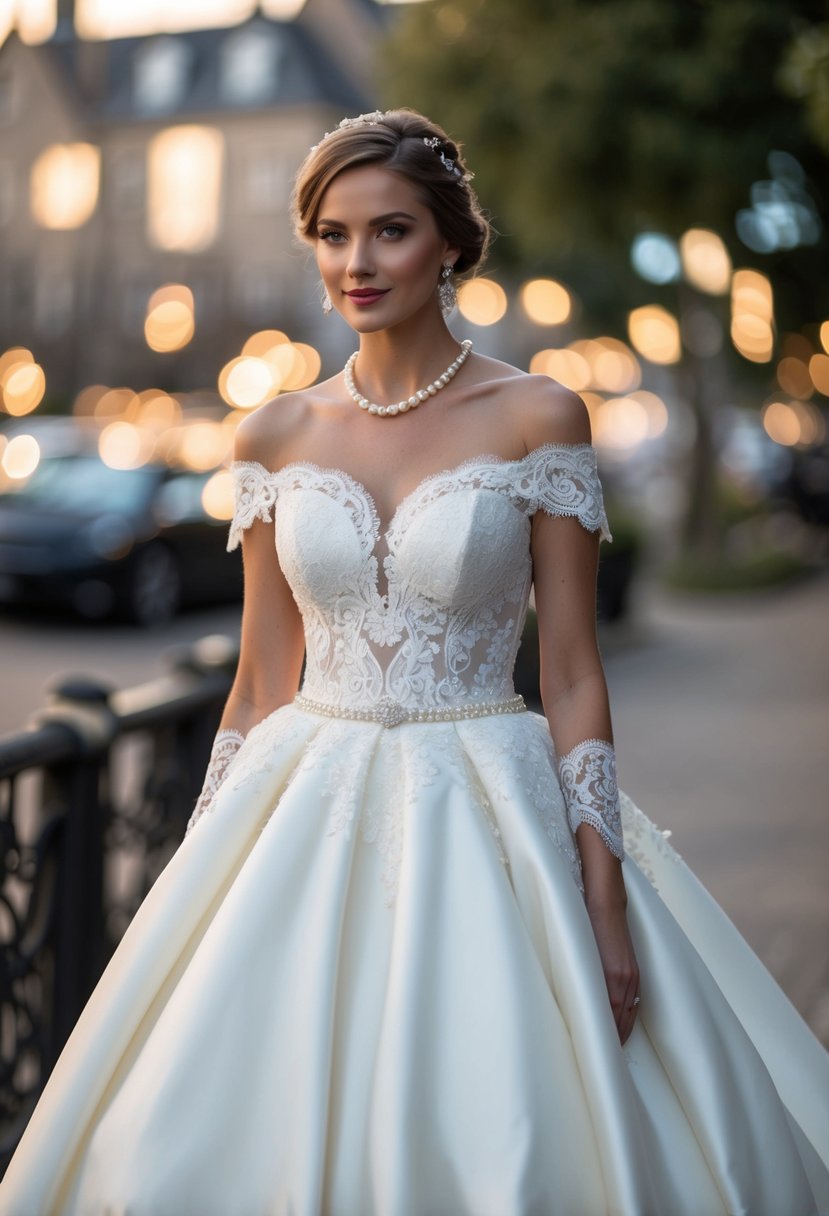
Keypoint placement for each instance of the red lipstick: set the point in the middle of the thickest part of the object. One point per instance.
(366, 295)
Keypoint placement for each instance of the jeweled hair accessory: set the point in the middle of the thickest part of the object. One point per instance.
(436, 144)
(361, 120)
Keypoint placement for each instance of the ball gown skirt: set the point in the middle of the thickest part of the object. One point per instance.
(366, 984)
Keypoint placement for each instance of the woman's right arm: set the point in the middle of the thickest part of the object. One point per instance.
(270, 656)
(272, 642)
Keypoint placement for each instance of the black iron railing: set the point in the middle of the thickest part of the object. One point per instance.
(94, 799)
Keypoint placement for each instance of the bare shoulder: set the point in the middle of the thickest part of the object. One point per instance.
(269, 434)
(543, 410)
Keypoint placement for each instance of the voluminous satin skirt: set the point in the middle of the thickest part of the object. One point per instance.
(367, 985)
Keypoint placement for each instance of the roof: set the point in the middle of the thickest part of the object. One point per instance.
(102, 75)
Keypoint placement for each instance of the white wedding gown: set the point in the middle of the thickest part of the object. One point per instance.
(366, 984)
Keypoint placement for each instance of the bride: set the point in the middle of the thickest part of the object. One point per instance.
(417, 956)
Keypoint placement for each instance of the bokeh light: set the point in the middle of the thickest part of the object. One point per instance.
(245, 382)
(752, 315)
(170, 321)
(114, 403)
(122, 445)
(158, 411)
(185, 180)
(23, 388)
(312, 365)
(824, 336)
(64, 185)
(793, 377)
(546, 302)
(819, 373)
(793, 423)
(22, 381)
(568, 367)
(614, 367)
(705, 261)
(655, 257)
(217, 495)
(654, 332)
(620, 422)
(128, 18)
(268, 365)
(656, 410)
(482, 301)
(261, 343)
(34, 20)
(203, 444)
(87, 399)
(20, 458)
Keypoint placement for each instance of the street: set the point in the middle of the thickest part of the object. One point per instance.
(721, 721)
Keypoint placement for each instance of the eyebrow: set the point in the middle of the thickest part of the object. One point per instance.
(375, 223)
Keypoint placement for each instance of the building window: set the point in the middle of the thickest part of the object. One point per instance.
(64, 185)
(162, 72)
(185, 187)
(266, 180)
(250, 65)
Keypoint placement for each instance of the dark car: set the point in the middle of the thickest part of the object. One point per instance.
(135, 543)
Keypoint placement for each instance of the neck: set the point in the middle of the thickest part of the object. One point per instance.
(393, 364)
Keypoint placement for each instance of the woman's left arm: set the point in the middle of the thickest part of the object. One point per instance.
(575, 700)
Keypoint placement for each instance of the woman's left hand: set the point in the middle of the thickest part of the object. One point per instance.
(621, 971)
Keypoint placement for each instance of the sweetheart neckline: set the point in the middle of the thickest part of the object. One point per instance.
(486, 458)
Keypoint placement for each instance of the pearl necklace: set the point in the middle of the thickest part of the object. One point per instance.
(409, 403)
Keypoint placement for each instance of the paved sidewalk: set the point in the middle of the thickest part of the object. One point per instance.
(721, 719)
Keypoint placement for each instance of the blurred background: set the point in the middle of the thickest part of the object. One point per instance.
(658, 175)
(658, 178)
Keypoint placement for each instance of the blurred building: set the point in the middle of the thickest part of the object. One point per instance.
(129, 164)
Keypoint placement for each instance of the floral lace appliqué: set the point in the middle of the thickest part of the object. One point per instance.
(445, 624)
(588, 780)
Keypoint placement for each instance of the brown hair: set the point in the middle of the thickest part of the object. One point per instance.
(396, 141)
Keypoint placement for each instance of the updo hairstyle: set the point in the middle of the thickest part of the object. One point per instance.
(396, 142)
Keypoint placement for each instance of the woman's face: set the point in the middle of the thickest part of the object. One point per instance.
(378, 249)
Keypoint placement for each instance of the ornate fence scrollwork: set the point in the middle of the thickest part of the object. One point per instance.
(94, 799)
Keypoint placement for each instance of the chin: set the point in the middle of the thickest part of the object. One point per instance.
(365, 323)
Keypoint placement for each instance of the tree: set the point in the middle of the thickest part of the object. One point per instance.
(590, 121)
(805, 75)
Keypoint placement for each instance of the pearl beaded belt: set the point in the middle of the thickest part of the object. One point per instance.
(389, 712)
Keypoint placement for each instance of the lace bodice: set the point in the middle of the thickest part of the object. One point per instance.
(437, 620)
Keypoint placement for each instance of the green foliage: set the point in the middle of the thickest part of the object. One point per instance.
(804, 74)
(767, 568)
(587, 121)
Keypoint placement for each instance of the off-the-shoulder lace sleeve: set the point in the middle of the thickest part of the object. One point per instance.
(255, 491)
(562, 479)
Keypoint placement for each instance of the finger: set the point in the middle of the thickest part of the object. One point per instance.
(631, 1010)
(618, 1004)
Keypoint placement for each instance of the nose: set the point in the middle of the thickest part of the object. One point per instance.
(360, 262)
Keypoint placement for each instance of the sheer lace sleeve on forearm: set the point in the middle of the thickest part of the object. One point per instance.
(225, 746)
(563, 480)
(588, 781)
(255, 492)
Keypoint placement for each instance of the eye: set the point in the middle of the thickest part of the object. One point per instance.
(393, 230)
(331, 235)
